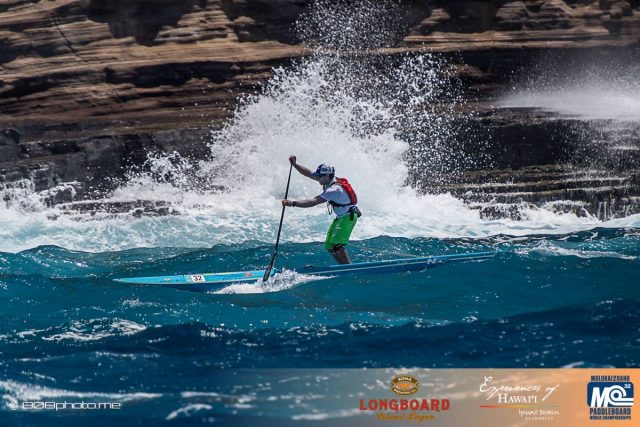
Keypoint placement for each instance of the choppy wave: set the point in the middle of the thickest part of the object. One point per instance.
(551, 338)
(29, 392)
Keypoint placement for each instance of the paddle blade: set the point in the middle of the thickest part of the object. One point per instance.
(267, 271)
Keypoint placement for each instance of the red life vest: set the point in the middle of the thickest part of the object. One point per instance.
(353, 198)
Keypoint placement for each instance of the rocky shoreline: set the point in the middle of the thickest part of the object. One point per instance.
(88, 88)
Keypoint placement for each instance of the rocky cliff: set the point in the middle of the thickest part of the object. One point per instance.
(68, 61)
(65, 61)
(87, 87)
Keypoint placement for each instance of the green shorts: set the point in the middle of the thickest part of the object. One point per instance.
(339, 231)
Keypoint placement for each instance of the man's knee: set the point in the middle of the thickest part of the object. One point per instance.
(333, 248)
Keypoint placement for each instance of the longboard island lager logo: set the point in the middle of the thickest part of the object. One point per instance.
(404, 385)
(610, 397)
(406, 406)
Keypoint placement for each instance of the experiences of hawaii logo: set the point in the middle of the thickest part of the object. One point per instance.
(404, 408)
(531, 401)
(610, 397)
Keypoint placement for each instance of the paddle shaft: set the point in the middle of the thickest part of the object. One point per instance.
(267, 270)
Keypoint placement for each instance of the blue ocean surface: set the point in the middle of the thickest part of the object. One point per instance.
(69, 332)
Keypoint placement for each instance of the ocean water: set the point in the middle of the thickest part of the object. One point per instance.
(562, 292)
(69, 333)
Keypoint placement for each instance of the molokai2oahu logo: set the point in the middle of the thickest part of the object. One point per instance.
(610, 397)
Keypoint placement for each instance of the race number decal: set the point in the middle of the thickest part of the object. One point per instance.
(197, 278)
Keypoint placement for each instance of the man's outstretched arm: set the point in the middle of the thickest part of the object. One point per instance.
(304, 203)
(303, 171)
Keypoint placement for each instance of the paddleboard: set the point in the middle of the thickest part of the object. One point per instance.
(215, 281)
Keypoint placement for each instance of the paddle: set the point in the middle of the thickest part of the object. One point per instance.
(267, 270)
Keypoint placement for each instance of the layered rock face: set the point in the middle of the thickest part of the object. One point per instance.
(66, 61)
(88, 87)
(546, 24)
(73, 60)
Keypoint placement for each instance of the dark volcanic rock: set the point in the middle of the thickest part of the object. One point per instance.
(9, 144)
(136, 209)
(95, 165)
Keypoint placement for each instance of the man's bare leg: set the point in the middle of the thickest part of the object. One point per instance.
(341, 256)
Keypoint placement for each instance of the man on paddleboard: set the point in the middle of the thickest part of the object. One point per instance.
(341, 199)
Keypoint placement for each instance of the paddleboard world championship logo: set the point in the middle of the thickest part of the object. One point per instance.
(610, 397)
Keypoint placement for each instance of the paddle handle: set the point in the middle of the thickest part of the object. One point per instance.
(267, 271)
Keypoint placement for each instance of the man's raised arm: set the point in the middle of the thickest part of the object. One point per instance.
(303, 171)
